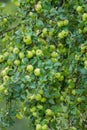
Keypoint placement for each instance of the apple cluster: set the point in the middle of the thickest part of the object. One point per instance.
(43, 65)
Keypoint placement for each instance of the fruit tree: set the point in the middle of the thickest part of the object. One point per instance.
(43, 64)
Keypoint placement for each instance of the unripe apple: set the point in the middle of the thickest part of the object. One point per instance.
(84, 17)
(79, 99)
(77, 57)
(44, 127)
(40, 107)
(61, 98)
(5, 71)
(60, 23)
(27, 77)
(6, 54)
(30, 68)
(5, 78)
(49, 112)
(66, 22)
(34, 114)
(11, 49)
(38, 97)
(39, 52)
(33, 52)
(51, 32)
(52, 47)
(54, 60)
(80, 31)
(44, 31)
(29, 54)
(32, 97)
(5, 20)
(21, 55)
(79, 9)
(85, 63)
(73, 92)
(58, 75)
(38, 7)
(1, 58)
(33, 109)
(16, 50)
(1, 88)
(43, 100)
(19, 115)
(40, 92)
(17, 62)
(38, 127)
(6, 92)
(28, 40)
(37, 72)
(54, 54)
(9, 62)
(85, 30)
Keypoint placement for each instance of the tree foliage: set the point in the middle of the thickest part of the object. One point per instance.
(43, 67)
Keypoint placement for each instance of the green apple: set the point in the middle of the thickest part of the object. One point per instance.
(85, 63)
(40, 107)
(19, 115)
(5, 71)
(38, 97)
(79, 99)
(28, 40)
(85, 30)
(30, 68)
(27, 77)
(49, 112)
(29, 54)
(58, 75)
(11, 49)
(44, 127)
(21, 55)
(38, 127)
(43, 100)
(60, 23)
(1, 88)
(65, 22)
(16, 50)
(61, 98)
(79, 9)
(39, 52)
(40, 92)
(44, 31)
(37, 72)
(9, 62)
(77, 57)
(84, 17)
(32, 97)
(5, 20)
(17, 62)
(33, 52)
(34, 114)
(5, 78)
(38, 7)
(1, 58)
(6, 54)
(54, 54)
(33, 109)
(52, 47)
(51, 32)
(73, 92)
(54, 60)
(6, 92)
